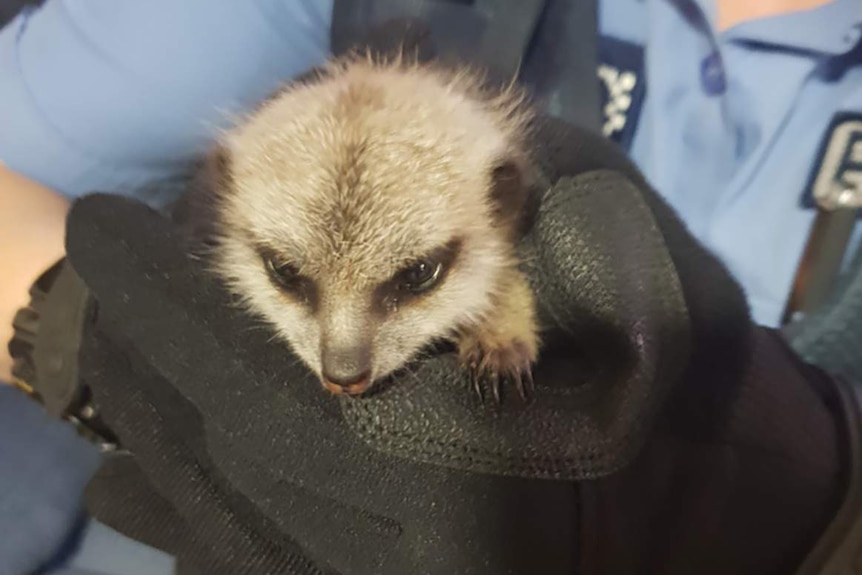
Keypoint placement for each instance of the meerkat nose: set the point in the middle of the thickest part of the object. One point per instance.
(347, 371)
(354, 385)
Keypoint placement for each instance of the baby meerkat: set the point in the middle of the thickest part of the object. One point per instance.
(374, 208)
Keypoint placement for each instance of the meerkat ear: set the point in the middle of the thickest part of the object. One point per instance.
(508, 190)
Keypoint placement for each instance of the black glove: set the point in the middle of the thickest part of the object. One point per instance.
(235, 460)
(176, 369)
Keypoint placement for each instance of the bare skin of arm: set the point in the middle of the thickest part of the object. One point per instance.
(32, 227)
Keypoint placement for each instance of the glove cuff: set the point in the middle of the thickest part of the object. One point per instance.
(45, 345)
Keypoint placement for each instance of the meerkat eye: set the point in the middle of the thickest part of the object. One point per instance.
(421, 276)
(284, 274)
(418, 276)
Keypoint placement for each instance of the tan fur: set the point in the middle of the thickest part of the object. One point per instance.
(358, 170)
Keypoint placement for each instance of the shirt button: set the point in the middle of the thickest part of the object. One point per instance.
(712, 75)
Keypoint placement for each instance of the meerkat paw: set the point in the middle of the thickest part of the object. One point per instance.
(500, 351)
(494, 365)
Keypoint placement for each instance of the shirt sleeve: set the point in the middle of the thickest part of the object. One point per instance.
(45, 469)
(101, 95)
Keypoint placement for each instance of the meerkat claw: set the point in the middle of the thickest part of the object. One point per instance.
(528, 385)
(476, 384)
(519, 385)
(494, 382)
(498, 368)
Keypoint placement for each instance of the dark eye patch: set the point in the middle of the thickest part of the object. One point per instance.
(417, 277)
(286, 277)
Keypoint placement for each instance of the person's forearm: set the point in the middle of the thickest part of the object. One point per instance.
(32, 223)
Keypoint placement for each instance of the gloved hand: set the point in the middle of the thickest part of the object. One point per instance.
(236, 460)
(195, 390)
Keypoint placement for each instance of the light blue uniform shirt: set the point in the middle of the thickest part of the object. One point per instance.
(728, 126)
(109, 95)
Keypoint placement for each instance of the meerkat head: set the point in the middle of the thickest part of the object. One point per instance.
(369, 211)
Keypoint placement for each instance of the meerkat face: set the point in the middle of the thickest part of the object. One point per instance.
(367, 215)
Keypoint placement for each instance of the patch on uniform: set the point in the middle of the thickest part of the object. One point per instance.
(620, 70)
(836, 179)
